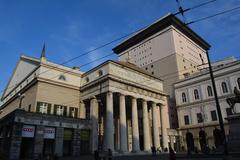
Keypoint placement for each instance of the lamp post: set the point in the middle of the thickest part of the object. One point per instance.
(220, 119)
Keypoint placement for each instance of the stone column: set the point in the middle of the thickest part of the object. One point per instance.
(123, 124)
(15, 143)
(164, 119)
(146, 130)
(135, 130)
(109, 127)
(82, 110)
(38, 147)
(94, 119)
(76, 142)
(59, 141)
(155, 114)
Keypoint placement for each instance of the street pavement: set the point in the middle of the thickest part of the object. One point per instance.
(161, 157)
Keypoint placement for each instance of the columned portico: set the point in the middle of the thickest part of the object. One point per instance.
(109, 125)
(135, 130)
(146, 130)
(155, 115)
(123, 125)
(126, 105)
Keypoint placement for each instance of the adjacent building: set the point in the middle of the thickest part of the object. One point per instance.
(53, 109)
(196, 108)
(167, 49)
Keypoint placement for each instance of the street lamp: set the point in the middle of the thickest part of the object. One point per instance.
(20, 96)
(220, 119)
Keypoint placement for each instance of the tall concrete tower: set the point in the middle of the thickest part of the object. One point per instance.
(167, 49)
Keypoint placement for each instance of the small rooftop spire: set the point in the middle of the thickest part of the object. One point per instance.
(43, 54)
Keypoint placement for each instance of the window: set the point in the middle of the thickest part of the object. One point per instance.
(43, 107)
(186, 75)
(73, 112)
(209, 91)
(214, 115)
(184, 98)
(152, 73)
(196, 95)
(224, 87)
(186, 120)
(87, 79)
(60, 110)
(199, 117)
(229, 111)
(238, 82)
(100, 73)
(62, 77)
(29, 107)
(151, 65)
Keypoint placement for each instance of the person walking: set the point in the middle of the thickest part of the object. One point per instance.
(172, 155)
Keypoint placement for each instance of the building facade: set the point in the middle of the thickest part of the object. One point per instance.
(167, 49)
(198, 120)
(52, 109)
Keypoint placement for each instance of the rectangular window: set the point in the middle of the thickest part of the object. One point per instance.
(43, 107)
(199, 117)
(186, 120)
(214, 115)
(229, 111)
(60, 110)
(73, 112)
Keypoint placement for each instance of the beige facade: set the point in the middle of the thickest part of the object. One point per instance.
(166, 49)
(126, 106)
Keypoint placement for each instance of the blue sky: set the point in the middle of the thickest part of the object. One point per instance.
(72, 27)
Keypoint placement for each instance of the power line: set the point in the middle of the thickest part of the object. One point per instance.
(194, 7)
(126, 35)
(214, 15)
(99, 47)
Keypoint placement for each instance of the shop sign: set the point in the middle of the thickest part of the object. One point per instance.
(49, 133)
(28, 131)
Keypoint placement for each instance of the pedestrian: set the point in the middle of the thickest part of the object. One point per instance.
(109, 154)
(172, 155)
(96, 155)
(153, 150)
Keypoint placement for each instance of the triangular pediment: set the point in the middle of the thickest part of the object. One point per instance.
(23, 68)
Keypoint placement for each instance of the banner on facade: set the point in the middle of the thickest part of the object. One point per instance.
(28, 131)
(49, 133)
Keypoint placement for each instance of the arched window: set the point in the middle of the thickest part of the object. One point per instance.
(209, 91)
(224, 87)
(196, 95)
(238, 82)
(184, 98)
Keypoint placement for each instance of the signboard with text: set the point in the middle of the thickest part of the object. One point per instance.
(49, 133)
(28, 131)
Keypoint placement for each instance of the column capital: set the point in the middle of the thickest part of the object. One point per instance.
(81, 101)
(93, 97)
(121, 94)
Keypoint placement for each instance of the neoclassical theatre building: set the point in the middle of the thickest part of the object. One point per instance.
(51, 108)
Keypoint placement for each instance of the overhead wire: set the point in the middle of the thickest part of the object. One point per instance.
(214, 15)
(126, 35)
